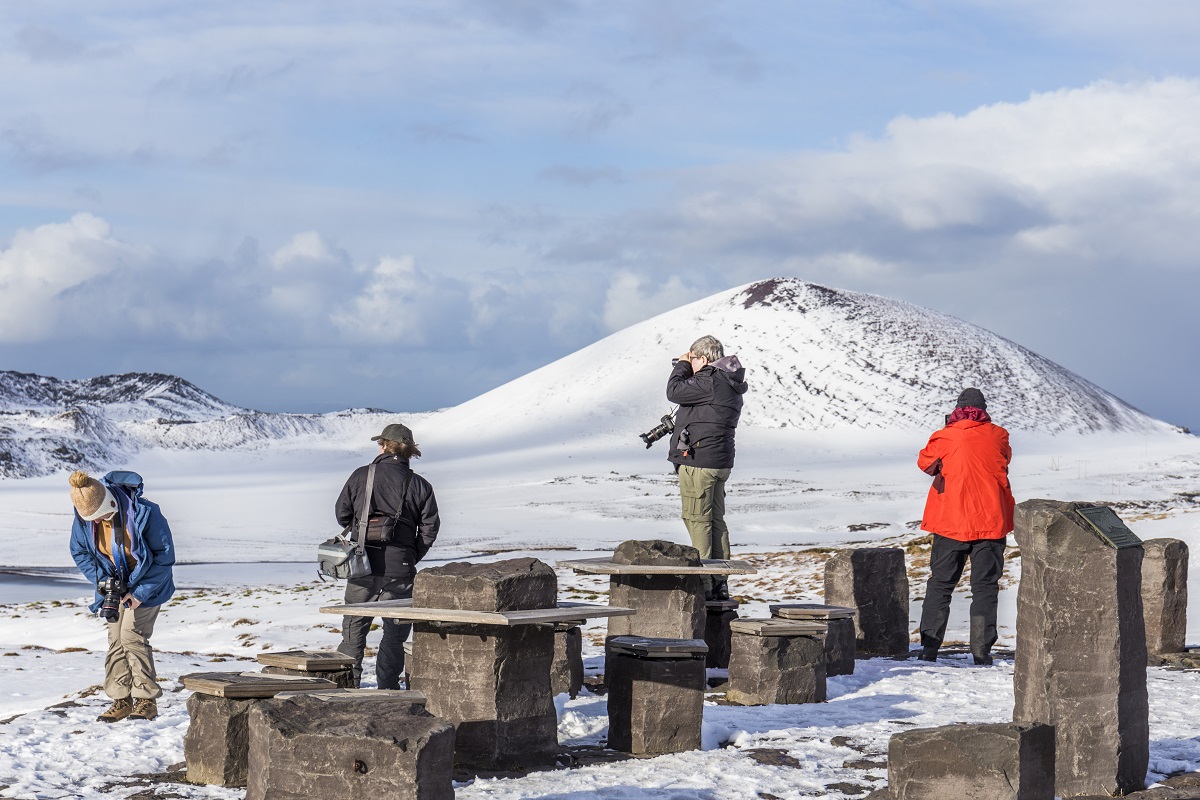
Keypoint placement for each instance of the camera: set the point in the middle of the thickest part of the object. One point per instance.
(665, 426)
(113, 590)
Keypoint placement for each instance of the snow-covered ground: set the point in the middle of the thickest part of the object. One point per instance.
(792, 495)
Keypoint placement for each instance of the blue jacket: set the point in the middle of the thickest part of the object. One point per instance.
(151, 581)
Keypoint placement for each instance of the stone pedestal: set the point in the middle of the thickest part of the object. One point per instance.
(718, 615)
(873, 581)
(776, 661)
(1164, 596)
(1081, 646)
(349, 746)
(216, 742)
(972, 762)
(839, 635)
(492, 682)
(668, 606)
(655, 694)
(566, 671)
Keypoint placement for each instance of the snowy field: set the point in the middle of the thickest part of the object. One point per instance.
(246, 525)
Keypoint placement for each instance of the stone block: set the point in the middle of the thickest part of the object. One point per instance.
(215, 746)
(493, 684)
(305, 747)
(566, 671)
(668, 606)
(973, 762)
(768, 667)
(343, 678)
(655, 698)
(874, 582)
(656, 553)
(718, 615)
(1080, 660)
(1164, 596)
(517, 584)
(839, 636)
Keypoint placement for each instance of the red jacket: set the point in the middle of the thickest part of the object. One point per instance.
(970, 498)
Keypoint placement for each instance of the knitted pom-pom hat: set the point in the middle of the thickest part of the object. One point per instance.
(92, 498)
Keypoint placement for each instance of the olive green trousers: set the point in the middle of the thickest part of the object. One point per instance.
(702, 492)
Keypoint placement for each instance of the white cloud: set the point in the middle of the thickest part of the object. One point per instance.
(632, 298)
(48, 271)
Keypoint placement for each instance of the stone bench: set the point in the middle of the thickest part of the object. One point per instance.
(716, 631)
(1006, 761)
(348, 743)
(330, 665)
(215, 745)
(874, 582)
(776, 661)
(655, 694)
(839, 640)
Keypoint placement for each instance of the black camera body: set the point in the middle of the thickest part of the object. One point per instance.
(113, 590)
(664, 427)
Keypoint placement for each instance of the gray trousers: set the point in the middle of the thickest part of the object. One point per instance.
(129, 663)
(389, 660)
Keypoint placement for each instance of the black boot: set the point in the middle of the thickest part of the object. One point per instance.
(982, 659)
(927, 654)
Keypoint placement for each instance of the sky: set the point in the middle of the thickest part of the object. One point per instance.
(304, 206)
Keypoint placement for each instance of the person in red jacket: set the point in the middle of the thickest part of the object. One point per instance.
(969, 511)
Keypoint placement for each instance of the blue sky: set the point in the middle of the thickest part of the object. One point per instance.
(307, 206)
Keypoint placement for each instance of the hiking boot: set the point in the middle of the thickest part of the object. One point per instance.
(982, 659)
(721, 591)
(927, 654)
(118, 711)
(145, 708)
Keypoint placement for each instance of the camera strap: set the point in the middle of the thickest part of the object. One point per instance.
(364, 519)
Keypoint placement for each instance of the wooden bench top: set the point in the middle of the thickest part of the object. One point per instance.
(251, 685)
(811, 611)
(334, 695)
(404, 610)
(778, 627)
(307, 660)
(709, 566)
(648, 647)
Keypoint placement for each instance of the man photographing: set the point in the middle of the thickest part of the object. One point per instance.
(708, 387)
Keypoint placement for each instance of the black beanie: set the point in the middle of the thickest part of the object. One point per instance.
(972, 398)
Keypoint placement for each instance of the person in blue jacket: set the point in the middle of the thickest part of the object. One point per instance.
(122, 543)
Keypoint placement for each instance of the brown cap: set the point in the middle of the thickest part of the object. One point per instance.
(91, 498)
(395, 433)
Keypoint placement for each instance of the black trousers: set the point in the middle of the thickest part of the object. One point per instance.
(946, 565)
(389, 661)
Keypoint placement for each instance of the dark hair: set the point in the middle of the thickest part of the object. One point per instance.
(402, 449)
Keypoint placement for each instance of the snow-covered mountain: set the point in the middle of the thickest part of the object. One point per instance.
(816, 358)
(47, 424)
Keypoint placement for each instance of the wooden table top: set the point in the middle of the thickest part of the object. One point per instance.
(709, 566)
(404, 610)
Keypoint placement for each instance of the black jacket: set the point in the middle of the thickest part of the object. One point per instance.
(710, 403)
(419, 521)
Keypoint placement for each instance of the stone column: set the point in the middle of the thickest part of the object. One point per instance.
(1164, 596)
(348, 746)
(668, 606)
(566, 673)
(655, 694)
(873, 581)
(1081, 647)
(719, 613)
(776, 661)
(962, 762)
(492, 682)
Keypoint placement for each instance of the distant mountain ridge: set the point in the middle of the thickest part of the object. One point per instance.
(48, 424)
(817, 359)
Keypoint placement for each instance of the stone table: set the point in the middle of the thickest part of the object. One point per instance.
(488, 672)
(839, 639)
(669, 599)
(655, 694)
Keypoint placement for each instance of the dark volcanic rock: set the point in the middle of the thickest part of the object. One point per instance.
(764, 670)
(874, 581)
(306, 747)
(840, 647)
(566, 672)
(215, 746)
(655, 705)
(656, 553)
(718, 615)
(668, 606)
(493, 684)
(514, 585)
(972, 762)
(1080, 661)
(344, 678)
(1164, 596)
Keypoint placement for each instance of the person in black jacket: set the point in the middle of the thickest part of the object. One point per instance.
(404, 523)
(708, 386)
